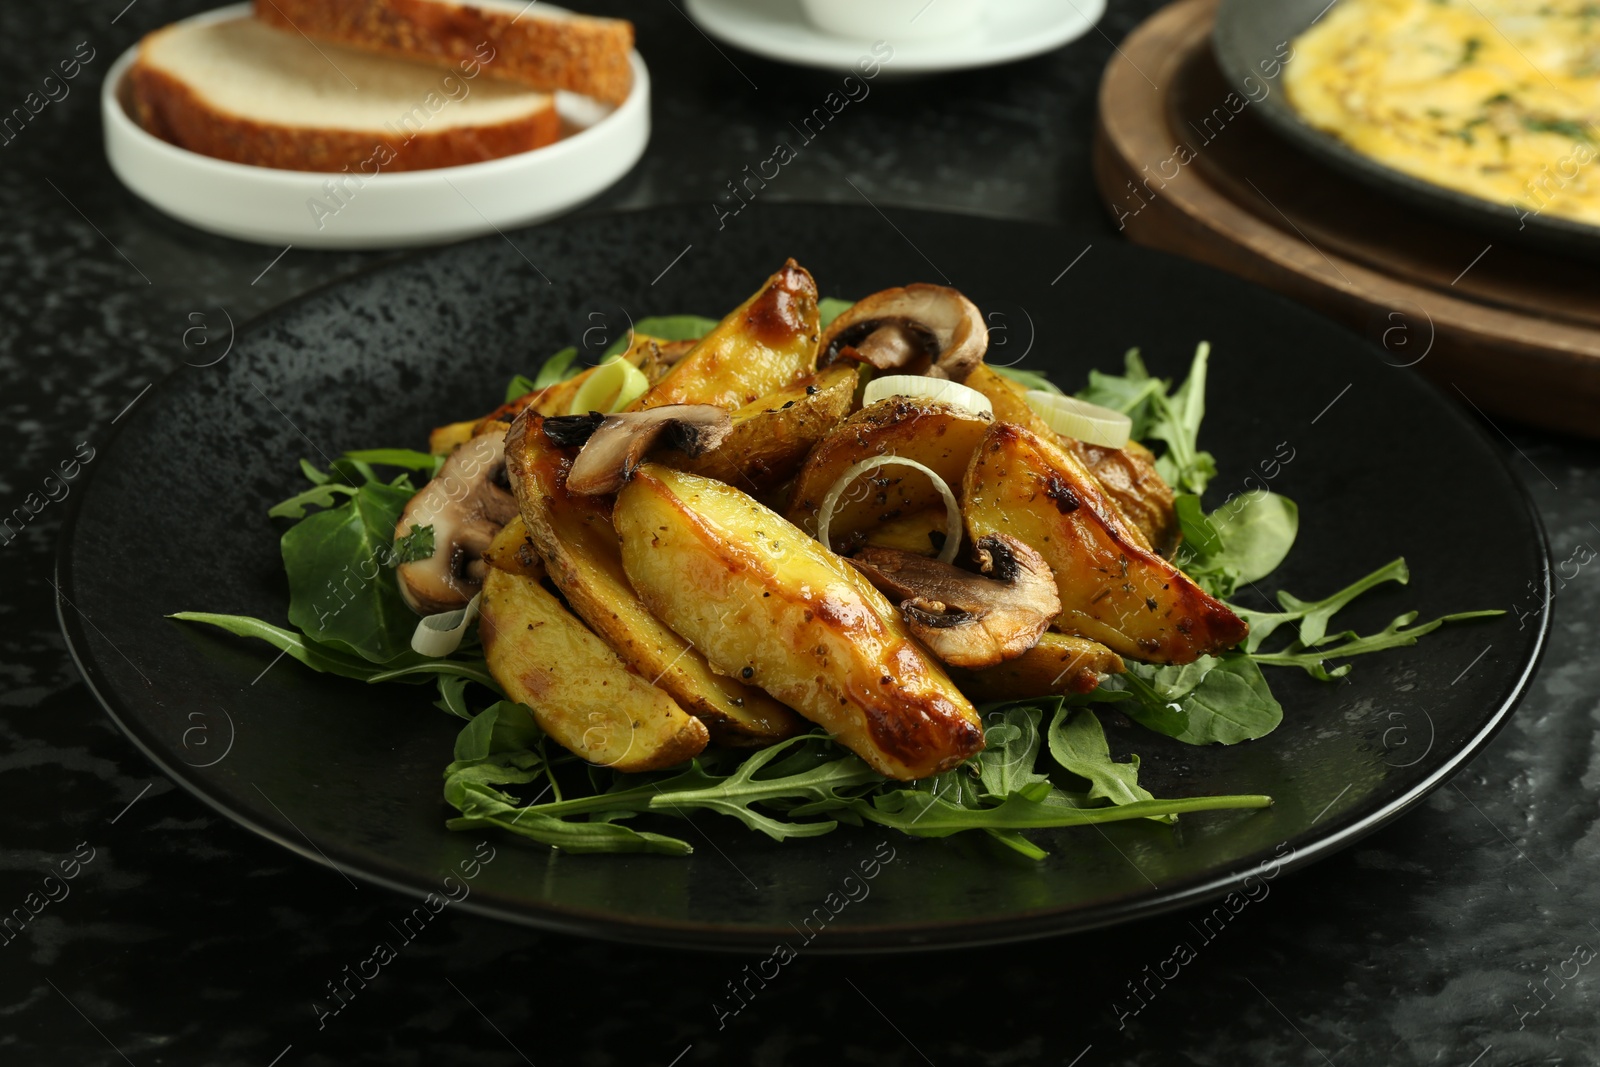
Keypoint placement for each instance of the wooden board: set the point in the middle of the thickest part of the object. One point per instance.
(1185, 167)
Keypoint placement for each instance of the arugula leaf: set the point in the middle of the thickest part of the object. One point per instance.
(348, 473)
(314, 476)
(1199, 535)
(520, 385)
(675, 327)
(408, 458)
(1173, 419)
(503, 727)
(924, 815)
(1030, 379)
(1011, 748)
(341, 591)
(453, 696)
(558, 368)
(417, 667)
(664, 328)
(1314, 616)
(1130, 392)
(1214, 700)
(1078, 743)
(313, 655)
(1257, 531)
(482, 807)
(1180, 428)
(1253, 534)
(323, 495)
(416, 544)
(830, 308)
(1397, 634)
(734, 794)
(496, 748)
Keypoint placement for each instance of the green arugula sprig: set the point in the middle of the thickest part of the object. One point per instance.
(1162, 413)
(806, 786)
(1314, 645)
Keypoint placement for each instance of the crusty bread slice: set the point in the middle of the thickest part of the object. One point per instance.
(516, 40)
(244, 91)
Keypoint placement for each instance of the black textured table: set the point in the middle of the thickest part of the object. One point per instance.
(1464, 934)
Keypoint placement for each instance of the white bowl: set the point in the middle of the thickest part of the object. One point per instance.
(893, 20)
(408, 208)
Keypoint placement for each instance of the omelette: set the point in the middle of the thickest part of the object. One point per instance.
(1499, 99)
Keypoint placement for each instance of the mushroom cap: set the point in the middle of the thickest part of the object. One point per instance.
(466, 503)
(620, 442)
(966, 619)
(916, 329)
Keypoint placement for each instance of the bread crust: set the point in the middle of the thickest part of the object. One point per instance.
(173, 110)
(581, 54)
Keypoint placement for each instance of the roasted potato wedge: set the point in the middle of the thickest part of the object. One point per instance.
(939, 436)
(1129, 477)
(581, 693)
(764, 601)
(1127, 474)
(764, 344)
(661, 355)
(771, 437)
(575, 538)
(444, 440)
(513, 551)
(1059, 665)
(1113, 590)
(921, 532)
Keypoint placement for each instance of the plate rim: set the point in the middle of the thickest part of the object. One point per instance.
(1085, 16)
(882, 938)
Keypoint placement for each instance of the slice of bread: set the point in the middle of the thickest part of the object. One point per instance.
(244, 91)
(517, 40)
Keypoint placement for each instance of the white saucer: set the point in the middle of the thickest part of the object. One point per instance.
(1012, 29)
(411, 207)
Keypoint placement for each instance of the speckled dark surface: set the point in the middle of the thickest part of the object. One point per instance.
(185, 940)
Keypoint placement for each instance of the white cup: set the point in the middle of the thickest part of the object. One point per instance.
(894, 20)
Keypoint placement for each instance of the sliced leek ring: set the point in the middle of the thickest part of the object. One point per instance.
(952, 510)
(439, 635)
(947, 392)
(611, 386)
(1089, 423)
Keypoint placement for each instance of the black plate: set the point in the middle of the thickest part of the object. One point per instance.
(349, 775)
(1250, 35)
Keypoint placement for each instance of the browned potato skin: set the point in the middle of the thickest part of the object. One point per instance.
(581, 552)
(580, 692)
(1128, 475)
(766, 343)
(940, 436)
(1113, 590)
(771, 437)
(446, 439)
(513, 551)
(1059, 665)
(661, 355)
(754, 593)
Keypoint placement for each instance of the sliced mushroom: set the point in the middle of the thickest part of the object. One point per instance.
(620, 442)
(918, 329)
(966, 619)
(466, 504)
